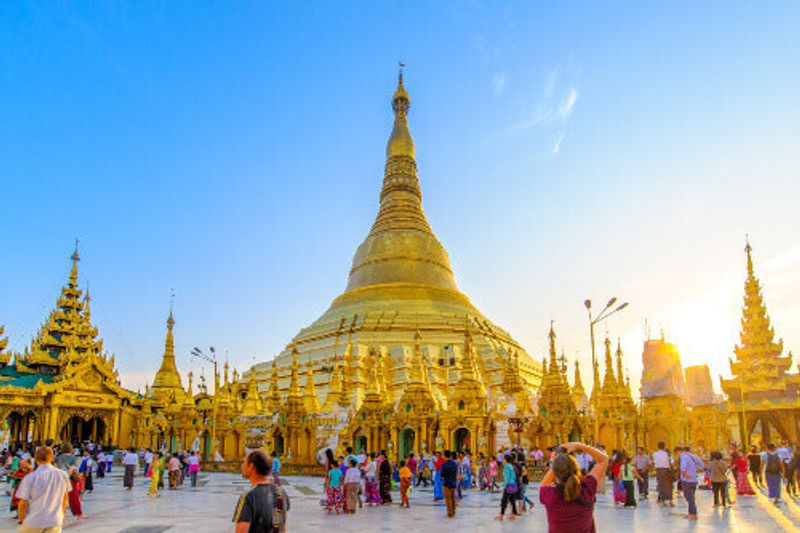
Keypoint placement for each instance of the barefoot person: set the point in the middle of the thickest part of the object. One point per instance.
(569, 497)
(43, 495)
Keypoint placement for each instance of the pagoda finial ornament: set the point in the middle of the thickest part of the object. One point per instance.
(73, 273)
(294, 384)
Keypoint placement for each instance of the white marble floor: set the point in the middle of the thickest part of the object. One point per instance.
(209, 508)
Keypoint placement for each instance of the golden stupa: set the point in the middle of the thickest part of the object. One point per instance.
(400, 283)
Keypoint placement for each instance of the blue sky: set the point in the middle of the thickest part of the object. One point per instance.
(234, 153)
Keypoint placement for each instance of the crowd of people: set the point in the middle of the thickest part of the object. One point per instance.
(81, 466)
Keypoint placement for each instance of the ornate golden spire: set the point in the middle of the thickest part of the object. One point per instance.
(189, 392)
(252, 401)
(401, 247)
(609, 381)
(310, 393)
(73, 273)
(373, 384)
(167, 379)
(577, 388)
(554, 369)
(620, 371)
(294, 384)
(274, 401)
(415, 368)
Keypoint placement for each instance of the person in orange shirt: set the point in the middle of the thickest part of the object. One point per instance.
(405, 483)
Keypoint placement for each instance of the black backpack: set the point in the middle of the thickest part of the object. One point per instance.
(773, 465)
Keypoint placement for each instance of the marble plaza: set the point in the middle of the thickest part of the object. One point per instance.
(208, 508)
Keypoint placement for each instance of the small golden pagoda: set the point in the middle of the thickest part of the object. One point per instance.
(615, 411)
(763, 393)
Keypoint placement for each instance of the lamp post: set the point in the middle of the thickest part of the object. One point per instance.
(197, 352)
(607, 311)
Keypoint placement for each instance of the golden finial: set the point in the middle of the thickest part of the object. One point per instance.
(400, 142)
(170, 319)
(748, 250)
(73, 274)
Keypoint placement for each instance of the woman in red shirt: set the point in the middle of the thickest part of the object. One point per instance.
(569, 497)
(743, 486)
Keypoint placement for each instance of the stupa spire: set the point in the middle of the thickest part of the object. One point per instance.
(73, 273)
(553, 358)
(609, 380)
(578, 386)
(167, 379)
(274, 400)
(294, 384)
(620, 371)
(252, 401)
(310, 393)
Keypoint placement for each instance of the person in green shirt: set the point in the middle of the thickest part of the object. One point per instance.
(629, 476)
(510, 488)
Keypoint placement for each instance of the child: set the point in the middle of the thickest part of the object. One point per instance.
(405, 483)
(493, 475)
(76, 480)
(629, 476)
(425, 476)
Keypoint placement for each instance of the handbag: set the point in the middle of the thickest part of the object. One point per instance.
(512, 488)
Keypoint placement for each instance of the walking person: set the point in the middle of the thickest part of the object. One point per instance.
(87, 463)
(754, 464)
(689, 465)
(718, 473)
(741, 465)
(174, 472)
(522, 472)
(109, 461)
(129, 461)
(385, 479)
(333, 487)
(100, 459)
(664, 475)
(372, 495)
(642, 464)
(569, 497)
(264, 506)
(276, 468)
(352, 483)
(449, 480)
(774, 469)
(494, 469)
(66, 459)
(43, 496)
(156, 468)
(406, 480)
(510, 489)
(438, 493)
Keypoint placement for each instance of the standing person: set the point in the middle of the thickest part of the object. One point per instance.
(510, 488)
(66, 459)
(616, 475)
(24, 467)
(194, 468)
(109, 461)
(87, 463)
(406, 479)
(373, 496)
(664, 478)
(156, 467)
(689, 465)
(76, 482)
(100, 458)
(449, 481)
(741, 464)
(569, 497)
(793, 474)
(264, 506)
(412, 465)
(439, 461)
(148, 460)
(385, 479)
(174, 472)
(276, 468)
(352, 482)
(493, 471)
(129, 461)
(522, 477)
(333, 487)
(774, 469)
(642, 464)
(43, 495)
(629, 475)
(718, 473)
(754, 460)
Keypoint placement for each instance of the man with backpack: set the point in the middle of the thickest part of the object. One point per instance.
(263, 507)
(774, 469)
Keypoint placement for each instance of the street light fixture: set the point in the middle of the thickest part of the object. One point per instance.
(607, 311)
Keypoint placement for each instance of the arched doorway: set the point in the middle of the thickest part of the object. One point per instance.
(461, 440)
(406, 442)
(78, 430)
(277, 445)
(359, 442)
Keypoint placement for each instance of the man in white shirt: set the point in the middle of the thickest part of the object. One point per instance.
(129, 461)
(784, 452)
(43, 496)
(663, 463)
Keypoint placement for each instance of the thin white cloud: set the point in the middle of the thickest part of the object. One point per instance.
(550, 82)
(499, 81)
(557, 143)
(566, 107)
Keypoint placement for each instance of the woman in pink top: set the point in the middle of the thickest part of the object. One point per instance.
(492, 475)
(569, 497)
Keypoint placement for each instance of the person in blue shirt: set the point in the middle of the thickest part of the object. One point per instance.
(510, 488)
(276, 468)
(449, 474)
(690, 464)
